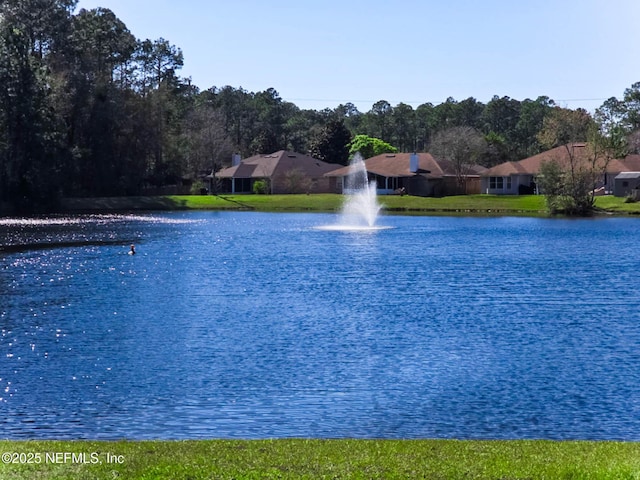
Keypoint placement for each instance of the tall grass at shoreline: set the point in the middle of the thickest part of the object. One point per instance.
(299, 458)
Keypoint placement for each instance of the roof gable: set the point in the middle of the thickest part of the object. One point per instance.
(561, 154)
(306, 164)
(398, 165)
(631, 163)
(278, 163)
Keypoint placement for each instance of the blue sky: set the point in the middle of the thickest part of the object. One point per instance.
(323, 53)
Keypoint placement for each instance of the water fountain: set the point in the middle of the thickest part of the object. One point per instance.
(361, 207)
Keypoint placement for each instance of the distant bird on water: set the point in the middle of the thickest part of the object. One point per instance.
(133, 250)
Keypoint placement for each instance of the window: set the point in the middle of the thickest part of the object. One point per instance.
(496, 183)
(243, 185)
(508, 183)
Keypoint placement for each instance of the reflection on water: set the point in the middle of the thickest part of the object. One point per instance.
(30, 233)
(100, 219)
(260, 325)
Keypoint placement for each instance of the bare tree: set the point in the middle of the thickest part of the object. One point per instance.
(295, 181)
(461, 146)
(633, 142)
(209, 145)
(571, 176)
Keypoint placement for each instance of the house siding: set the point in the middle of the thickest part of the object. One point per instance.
(511, 184)
(624, 184)
(282, 184)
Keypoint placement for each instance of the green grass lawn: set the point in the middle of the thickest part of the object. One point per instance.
(617, 205)
(294, 459)
(461, 204)
(467, 203)
(316, 202)
(392, 203)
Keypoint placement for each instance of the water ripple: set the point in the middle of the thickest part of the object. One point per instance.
(258, 325)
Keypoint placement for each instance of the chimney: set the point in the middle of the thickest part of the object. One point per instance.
(414, 163)
(235, 159)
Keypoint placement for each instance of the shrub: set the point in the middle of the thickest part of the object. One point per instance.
(199, 188)
(260, 187)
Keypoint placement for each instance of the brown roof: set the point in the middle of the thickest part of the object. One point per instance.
(266, 166)
(505, 169)
(631, 163)
(397, 165)
(531, 165)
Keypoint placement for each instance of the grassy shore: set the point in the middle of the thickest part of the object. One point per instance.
(295, 459)
(463, 204)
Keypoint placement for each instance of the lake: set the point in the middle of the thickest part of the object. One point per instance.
(261, 325)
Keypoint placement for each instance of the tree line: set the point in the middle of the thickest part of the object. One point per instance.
(88, 109)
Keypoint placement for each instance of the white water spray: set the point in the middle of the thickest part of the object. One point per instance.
(361, 207)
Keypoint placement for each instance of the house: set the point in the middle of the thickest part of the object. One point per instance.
(625, 182)
(628, 165)
(519, 178)
(282, 171)
(417, 173)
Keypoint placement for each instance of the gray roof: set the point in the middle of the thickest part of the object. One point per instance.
(628, 175)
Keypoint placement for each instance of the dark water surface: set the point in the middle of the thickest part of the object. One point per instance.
(258, 325)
